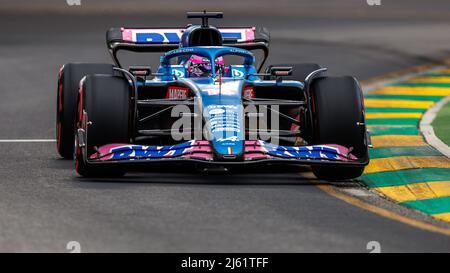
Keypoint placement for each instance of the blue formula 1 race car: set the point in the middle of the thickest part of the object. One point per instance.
(209, 104)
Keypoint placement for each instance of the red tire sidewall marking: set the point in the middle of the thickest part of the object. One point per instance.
(80, 109)
(80, 124)
(60, 108)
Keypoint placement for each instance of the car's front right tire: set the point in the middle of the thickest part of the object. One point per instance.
(338, 114)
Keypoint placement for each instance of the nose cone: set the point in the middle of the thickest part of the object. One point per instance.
(226, 130)
(223, 115)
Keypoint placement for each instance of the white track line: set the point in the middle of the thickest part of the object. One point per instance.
(26, 140)
(427, 129)
(425, 123)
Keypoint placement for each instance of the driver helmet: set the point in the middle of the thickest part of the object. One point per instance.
(201, 67)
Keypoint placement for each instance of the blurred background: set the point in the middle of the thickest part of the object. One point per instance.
(309, 8)
(348, 37)
(398, 32)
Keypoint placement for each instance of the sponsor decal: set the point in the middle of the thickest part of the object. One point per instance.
(180, 50)
(213, 90)
(225, 88)
(201, 149)
(238, 50)
(216, 111)
(232, 139)
(249, 92)
(173, 36)
(158, 36)
(316, 151)
(223, 106)
(237, 73)
(139, 151)
(224, 120)
(178, 72)
(177, 93)
(228, 141)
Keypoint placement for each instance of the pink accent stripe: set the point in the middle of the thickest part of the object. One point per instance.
(201, 149)
(248, 34)
(127, 35)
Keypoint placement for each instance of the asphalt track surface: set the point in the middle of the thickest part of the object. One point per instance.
(44, 204)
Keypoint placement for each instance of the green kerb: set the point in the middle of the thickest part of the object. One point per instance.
(404, 177)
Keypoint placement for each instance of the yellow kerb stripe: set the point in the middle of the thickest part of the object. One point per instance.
(418, 191)
(398, 103)
(397, 140)
(431, 80)
(442, 216)
(414, 91)
(393, 115)
(389, 126)
(383, 212)
(406, 162)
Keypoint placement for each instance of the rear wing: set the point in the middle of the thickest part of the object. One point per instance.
(166, 39)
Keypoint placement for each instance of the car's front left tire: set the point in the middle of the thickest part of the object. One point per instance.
(104, 114)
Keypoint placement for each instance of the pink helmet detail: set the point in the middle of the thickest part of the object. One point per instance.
(195, 59)
(220, 61)
(198, 60)
(200, 66)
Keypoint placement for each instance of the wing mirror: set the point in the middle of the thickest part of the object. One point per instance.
(281, 71)
(274, 71)
(140, 71)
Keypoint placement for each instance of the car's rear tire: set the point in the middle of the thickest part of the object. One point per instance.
(68, 84)
(106, 101)
(338, 114)
(299, 71)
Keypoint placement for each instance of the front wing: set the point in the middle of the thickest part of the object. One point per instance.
(200, 151)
